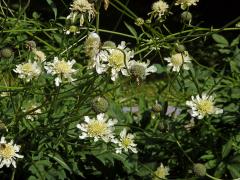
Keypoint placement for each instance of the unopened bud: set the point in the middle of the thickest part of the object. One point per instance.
(199, 169)
(186, 17)
(6, 52)
(100, 105)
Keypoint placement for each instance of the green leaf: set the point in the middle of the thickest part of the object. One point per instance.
(131, 29)
(234, 169)
(58, 158)
(220, 39)
(53, 6)
(226, 149)
(220, 170)
(235, 42)
(160, 69)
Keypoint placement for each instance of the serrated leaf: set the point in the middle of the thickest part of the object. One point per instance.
(131, 29)
(60, 161)
(226, 149)
(53, 6)
(220, 39)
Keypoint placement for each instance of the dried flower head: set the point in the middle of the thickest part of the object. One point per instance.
(81, 9)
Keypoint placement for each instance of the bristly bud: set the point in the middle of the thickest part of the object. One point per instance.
(157, 108)
(31, 45)
(3, 126)
(100, 104)
(109, 44)
(199, 169)
(6, 52)
(186, 17)
(137, 71)
(139, 21)
(180, 48)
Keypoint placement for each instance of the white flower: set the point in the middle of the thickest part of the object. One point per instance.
(39, 55)
(62, 69)
(203, 106)
(159, 8)
(81, 8)
(176, 61)
(141, 69)
(115, 59)
(126, 142)
(161, 172)
(186, 3)
(33, 114)
(100, 128)
(92, 44)
(28, 70)
(8, 153)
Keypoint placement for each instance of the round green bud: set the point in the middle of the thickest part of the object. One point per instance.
(180, 48)
(186, 17)
(100, 105)
(109, 44)
(2, 126)
(6, 52)
(157, 108)
(137, 71)
(199, 169)
(139, 21)
(148, 21)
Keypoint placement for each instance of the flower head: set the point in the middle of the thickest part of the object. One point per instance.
(126, 142)
(159, 8)
(141, 69)
(8, 153)
(62, 69)
(115, 59)
(81, 8)
(71, 29)
(176, 61)
(161, 172)
(28, 70)
(92, 44)
(203, 106)
(39, 55)
(186, 3)
(97, 128)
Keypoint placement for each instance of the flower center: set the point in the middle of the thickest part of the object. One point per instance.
(97, 128)
(6, 151)
(27, 68)
(62, 67)
(116, 59)
(126, 142)
(177, 59)
(205, 106)
(137, 70)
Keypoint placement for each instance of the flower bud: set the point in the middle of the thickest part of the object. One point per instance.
(137, 71)
(180, 48)
(100, 105)
(3, 126)
(109, 44)
(199, 169)
(6, 52)
(157, 108)
(139, 21)
(186, 17)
